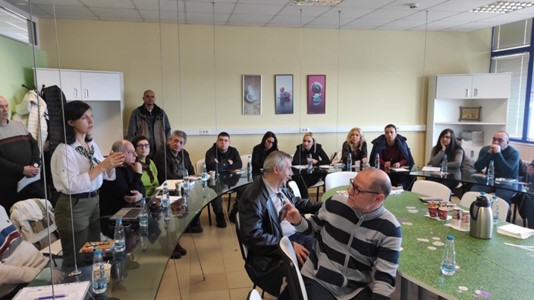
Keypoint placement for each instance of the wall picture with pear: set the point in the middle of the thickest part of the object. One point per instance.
(251, 94)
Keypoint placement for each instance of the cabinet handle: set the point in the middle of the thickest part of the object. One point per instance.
(467, 92)
(475, 92)
(75, 93)
(86, 93)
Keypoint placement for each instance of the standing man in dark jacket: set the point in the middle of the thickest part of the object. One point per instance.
(222, 158)
(151, 121)
(262, 226)
(394, 153)
(19, 158)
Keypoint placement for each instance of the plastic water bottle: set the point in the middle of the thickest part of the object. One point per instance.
(204, 172)
(349, 161)
(310, 164)
(495, 209)
(444, 166)
(165, 196)
(448, 263)
(490, 176)
(377, 161)
(119, 237)
(249, 169)
(143, 216)
(99, 283)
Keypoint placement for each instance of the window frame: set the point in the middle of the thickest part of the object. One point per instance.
(528, 87)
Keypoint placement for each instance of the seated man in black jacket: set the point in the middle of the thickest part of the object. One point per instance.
(261, 223)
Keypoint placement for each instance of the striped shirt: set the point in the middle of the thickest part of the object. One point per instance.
(350, 246)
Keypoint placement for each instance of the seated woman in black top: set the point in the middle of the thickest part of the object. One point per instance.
(356, 146)
(269, 143)
(308, 151)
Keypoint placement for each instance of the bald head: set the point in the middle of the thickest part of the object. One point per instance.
(379, 180)
(4, 111)
(127, 148)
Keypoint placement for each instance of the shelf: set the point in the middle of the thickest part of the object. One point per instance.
(472, 123)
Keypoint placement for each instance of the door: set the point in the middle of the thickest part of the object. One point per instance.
(98, 86)
(67, 81)
(453, 87)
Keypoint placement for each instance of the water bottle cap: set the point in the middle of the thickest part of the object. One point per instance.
(165, 183)
(482, 193)
(98, 252)
(119, 220)
(450, 238)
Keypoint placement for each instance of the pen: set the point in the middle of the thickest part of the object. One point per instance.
(52, 297)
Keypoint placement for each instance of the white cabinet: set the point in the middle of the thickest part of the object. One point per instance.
(473, 86)
(447, 93)
(83, 85)
(102, 90)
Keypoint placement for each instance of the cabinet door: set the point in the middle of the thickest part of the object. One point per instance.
(454, 87)
(99, 86)
(491, 86)
(68, 81)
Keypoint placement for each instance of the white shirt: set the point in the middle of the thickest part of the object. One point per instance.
(287, 228)
(70, 169)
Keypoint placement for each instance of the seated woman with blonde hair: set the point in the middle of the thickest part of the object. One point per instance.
(356, 145)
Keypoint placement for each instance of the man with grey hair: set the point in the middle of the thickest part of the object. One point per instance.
(126, 189)
(357, 253)
(151, 121)
(263, 226)
(506, 163)
(19, 158)
(174, 162)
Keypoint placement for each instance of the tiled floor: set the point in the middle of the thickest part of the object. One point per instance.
(219, 254)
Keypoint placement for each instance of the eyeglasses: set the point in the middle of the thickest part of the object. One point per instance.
(357, 191)
(142, 146)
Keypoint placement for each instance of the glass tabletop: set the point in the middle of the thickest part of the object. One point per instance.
(137, 273)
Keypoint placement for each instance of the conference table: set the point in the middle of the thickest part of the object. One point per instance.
(500, 268)
(137, 275)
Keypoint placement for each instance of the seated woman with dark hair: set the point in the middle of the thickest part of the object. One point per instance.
(269, 143)
(446, 145)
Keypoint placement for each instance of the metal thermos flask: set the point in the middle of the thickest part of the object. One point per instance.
(481, 218)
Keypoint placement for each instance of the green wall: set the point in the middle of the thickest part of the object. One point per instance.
(16, 61)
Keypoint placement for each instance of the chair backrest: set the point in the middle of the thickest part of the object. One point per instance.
(242, 247)
(254, 295)
(295, 188)
(336, 157)
(336, 179)
(33, 218)
(470, 197)
(199, 164)
(432, 189)
(245, 159)
(294, 278)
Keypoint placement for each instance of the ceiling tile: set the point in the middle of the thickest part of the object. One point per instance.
(116, 12)
(109, 3)
(257, 9)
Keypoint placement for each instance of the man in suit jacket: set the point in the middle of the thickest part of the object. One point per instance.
(261, 223)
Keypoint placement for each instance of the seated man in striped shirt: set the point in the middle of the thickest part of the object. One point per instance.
(357, 250)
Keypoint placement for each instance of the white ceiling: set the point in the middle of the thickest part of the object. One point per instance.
(443, 15)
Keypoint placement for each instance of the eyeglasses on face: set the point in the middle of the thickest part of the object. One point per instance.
(357, 191)
(142, 146)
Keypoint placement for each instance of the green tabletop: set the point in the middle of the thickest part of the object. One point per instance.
(487, 265)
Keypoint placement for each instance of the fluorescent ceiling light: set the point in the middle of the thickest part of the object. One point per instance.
(316, 2)
(501, 7)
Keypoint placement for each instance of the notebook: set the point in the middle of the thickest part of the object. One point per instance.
(127, 213)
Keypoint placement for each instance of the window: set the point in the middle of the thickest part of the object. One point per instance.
(17, 27)
(512, 52)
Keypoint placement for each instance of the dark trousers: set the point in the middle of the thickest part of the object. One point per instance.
(317, 291)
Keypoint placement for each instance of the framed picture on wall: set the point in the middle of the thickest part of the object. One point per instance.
(316, 99)
(251, 94)
(283, 94)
